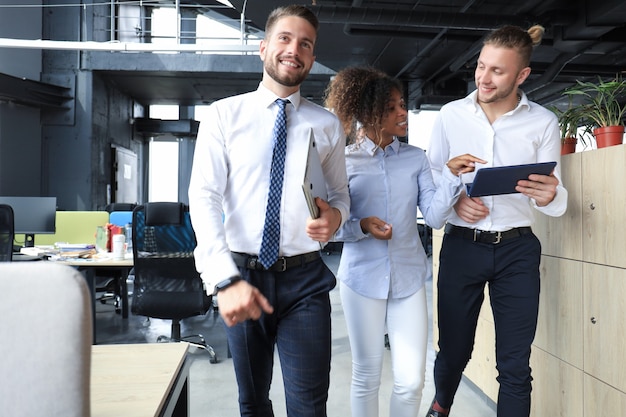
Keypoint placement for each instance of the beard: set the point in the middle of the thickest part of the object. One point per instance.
(497, 95)
(271, 67)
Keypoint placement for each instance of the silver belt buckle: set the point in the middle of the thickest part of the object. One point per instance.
(282, 266)
(477, 233)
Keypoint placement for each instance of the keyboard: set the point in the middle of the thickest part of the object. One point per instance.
(18, 256)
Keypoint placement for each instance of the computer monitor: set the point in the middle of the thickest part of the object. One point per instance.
(32, 215)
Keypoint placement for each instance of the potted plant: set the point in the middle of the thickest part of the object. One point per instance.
(602, 109)
(569, 121)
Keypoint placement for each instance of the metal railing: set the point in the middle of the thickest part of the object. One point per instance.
(134, 26)
(174, 23)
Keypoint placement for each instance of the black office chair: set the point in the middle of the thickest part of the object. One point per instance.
(7, 232)
(167, 284)
(119, 207)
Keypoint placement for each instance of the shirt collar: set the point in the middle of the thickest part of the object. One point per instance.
(370, 147)
(524, 102)
(471, 100)
(268, 98)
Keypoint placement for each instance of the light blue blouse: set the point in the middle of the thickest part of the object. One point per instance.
(391, 184)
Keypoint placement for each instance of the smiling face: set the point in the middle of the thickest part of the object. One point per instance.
(395, 120)
(287, 55)
(498, 74)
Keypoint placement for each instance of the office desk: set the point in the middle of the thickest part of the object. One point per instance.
(141, 380)
(89, 266)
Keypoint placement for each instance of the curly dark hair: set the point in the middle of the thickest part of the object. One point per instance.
(359, 97)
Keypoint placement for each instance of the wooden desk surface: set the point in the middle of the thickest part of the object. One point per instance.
(134, 380)
(97, 262)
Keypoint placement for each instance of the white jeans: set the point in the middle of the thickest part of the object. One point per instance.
(406, 322)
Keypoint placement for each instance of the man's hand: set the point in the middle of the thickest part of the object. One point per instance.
(541, 188)
(469, 209)
(240, 302)
(324, 227)
(376, 227)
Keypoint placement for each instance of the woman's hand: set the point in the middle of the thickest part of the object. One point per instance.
(376, 227)
(463, 164)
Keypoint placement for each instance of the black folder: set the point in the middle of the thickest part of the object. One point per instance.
(503, 180)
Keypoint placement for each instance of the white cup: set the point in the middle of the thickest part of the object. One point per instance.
(119, 247)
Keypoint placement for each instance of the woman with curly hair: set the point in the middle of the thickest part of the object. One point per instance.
(383, 265)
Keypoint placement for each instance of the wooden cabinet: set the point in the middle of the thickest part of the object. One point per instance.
(604, 206)
(551, 231)
(601, 399)
(604, 327)
(560, 327)
(579, 353)
(557, 387)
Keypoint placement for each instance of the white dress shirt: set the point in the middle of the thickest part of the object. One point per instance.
(527, 134)
(231, 174)
(391, 184)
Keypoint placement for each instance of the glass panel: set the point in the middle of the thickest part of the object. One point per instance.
(163, 171)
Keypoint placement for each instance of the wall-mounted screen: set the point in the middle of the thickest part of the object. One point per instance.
(32, 215)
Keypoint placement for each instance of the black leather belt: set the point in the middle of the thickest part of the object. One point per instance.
(484, 236)
(244, 260)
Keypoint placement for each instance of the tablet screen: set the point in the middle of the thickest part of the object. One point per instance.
(503, 180)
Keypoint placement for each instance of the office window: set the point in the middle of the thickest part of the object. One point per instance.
(420, 127)
(214, 32)
(163, 159)
(163, 171)
(164, 26)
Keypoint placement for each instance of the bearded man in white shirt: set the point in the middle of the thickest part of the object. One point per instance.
(489, 239)
(267, 303)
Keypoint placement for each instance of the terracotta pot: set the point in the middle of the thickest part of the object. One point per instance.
(609, 136)
(568, 145)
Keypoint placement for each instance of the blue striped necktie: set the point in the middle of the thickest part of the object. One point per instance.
(268, 254)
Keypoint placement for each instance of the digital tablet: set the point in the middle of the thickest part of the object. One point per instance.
(314, 183)
(503, 180)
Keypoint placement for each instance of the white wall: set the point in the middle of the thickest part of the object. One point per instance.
(420, 126)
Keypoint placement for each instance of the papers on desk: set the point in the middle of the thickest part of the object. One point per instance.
(72, 252)
(62, 251)
(76, 250)
(37, 250)
(73, 246)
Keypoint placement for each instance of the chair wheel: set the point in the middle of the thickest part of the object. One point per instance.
(212, 354)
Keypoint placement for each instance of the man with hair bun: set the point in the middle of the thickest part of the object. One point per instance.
(489, 240)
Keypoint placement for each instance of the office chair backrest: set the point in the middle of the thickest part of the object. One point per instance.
(167, 284)
(120, 207)
(45, 346)
(6, 233)
(121, 218)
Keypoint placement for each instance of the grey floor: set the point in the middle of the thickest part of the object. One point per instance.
(213, 390)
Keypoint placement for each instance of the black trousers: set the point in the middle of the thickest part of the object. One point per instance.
(299, 328)
(511, 270)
